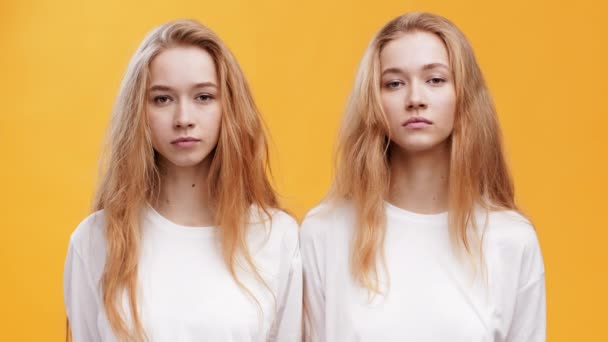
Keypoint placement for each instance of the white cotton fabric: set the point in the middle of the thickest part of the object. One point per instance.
(186, 292)
(429, 295)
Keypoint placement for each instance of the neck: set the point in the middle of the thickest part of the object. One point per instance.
(183, 197)
(419, 180)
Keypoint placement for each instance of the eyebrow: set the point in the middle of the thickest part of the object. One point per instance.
(424, 67)
(161, 87)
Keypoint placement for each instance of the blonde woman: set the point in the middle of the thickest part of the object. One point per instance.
(420, 239)
(186, 243)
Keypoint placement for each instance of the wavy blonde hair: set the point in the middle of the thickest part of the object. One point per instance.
(130, 177)
(478, 174)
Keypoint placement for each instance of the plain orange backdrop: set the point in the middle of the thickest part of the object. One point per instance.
(62, 61)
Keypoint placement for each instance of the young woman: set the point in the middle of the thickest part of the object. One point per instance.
(186, 243)
(421, 239)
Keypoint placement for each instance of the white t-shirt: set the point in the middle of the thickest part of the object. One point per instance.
(432, 297)
(186, 292)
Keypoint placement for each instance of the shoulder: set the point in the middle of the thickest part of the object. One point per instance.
(89, 234)
(88, 244)
(284, 224)
(276, 225)
(327, 218)
(512, 236)
(509, 227)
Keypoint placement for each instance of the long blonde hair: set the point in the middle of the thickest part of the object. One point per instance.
(237, 178)
(478, 173)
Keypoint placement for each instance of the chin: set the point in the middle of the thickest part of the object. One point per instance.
(187, 161)
(419, 145)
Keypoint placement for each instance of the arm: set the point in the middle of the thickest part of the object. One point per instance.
(287, 325)
(529, 317)
(529, 320)
(80, 298)
(314, 296)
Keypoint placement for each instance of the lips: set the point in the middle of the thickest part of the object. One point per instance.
(417, 121)
(185, 140)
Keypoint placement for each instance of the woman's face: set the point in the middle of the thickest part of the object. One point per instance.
(183, 106)
(417, 91)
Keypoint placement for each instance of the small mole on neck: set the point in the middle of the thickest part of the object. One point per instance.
(193, 185)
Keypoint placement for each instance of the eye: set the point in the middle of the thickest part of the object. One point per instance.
(162, 99)
(394, 84)
(204, 97)
(436, 81)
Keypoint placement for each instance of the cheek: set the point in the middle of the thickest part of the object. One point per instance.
(393, 105)
(211, 124)
(156, 126)
(447, 108)
(452, 112)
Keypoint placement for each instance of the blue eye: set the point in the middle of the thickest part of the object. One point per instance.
(162, 99)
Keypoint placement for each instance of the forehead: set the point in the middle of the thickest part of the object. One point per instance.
(413, 50)
(181, 64)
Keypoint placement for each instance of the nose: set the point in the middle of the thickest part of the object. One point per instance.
(183, 117)
(415, 99)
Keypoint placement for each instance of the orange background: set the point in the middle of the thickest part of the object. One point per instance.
(62, 61)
